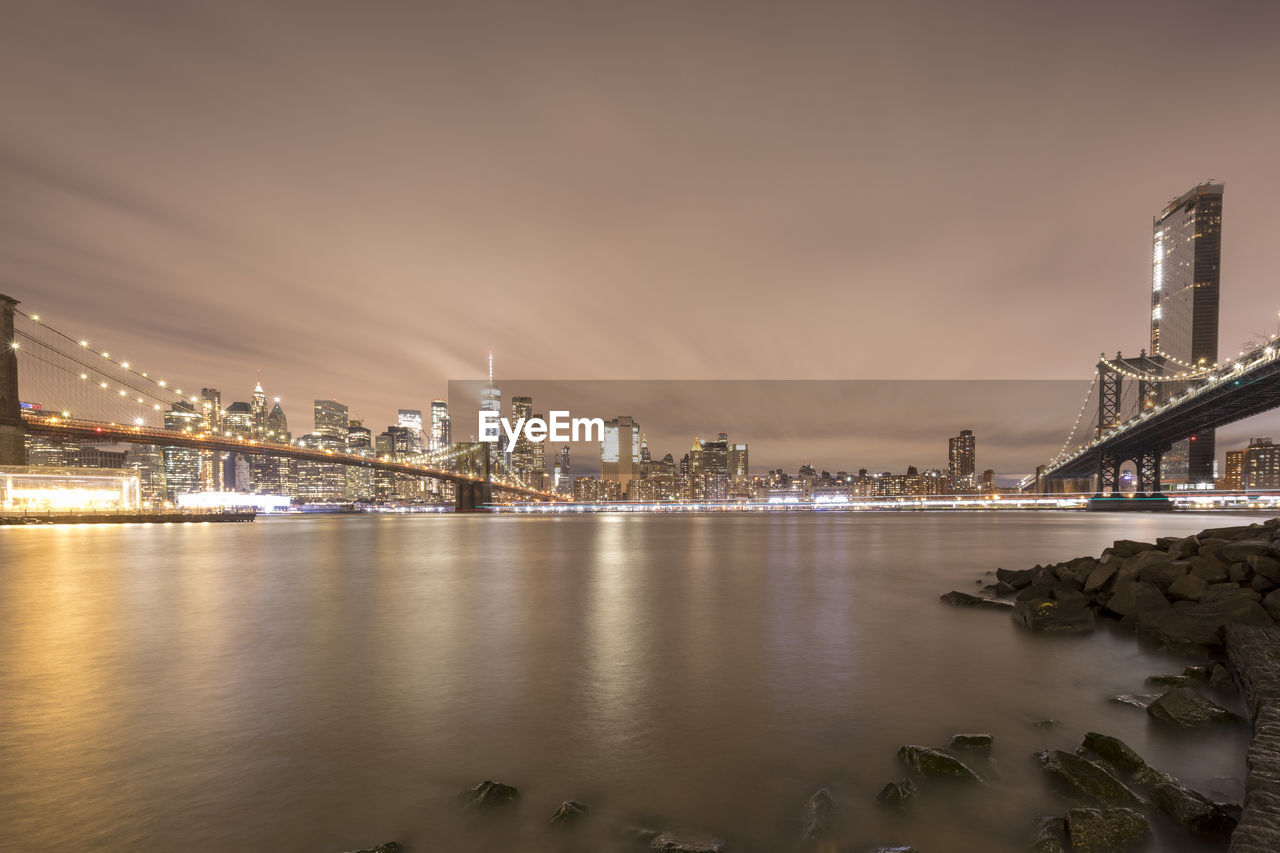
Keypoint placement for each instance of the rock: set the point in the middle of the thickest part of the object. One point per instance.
(1016, 579)
(1272, 605)
(1137, 700)
(1211, 547)
(1114, 751)
(1128, 548)
(1105, 830)
(937, 764)
(1101, 575)
(489, 795)
(1129, 598)
(1237, 551)
(1044, 724)
(981, 742)
(819, 815)
(1200, 672)
(1262, 584)
(1187, 588)
(1201, 625)
(1208, 569)
(898, 793)
(1266, 565)
(1194, 811)
(894, 850)
(963, 599)
(1085, 779)
(1229, 592)
(1220, 678)
(1186, 547)
(1184, 707)
(1238, 573)
(1170, 681)
(389, 847)
(668, 842)
(1044, 614)
(1049, 835)
(1229, 534)
(570, 811)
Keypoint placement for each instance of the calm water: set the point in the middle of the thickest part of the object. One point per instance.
(328, 683)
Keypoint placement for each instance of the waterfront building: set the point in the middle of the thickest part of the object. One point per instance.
(237, 420)
(181, 464)
(1186, 264)
(527, 461)
(564, 486)
(147, 461)
(1234, 480)
(440, 429)
(411, 419)
(620, 451)
(738, 461)
(1261, 464)
(962, 462)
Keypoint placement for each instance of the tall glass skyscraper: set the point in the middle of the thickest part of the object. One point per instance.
(1186, 262)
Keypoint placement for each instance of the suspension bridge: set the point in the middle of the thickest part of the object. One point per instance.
(1138, 408)
(59, 386)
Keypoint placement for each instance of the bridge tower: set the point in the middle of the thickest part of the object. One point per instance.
(12, 444)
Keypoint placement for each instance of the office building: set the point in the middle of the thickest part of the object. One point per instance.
(620, 451)
(1186, 263)
(440, 429)
(962, 462)
(411, 419)
(1261, 466)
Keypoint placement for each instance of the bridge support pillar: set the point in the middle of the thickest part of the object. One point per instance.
(12, 433)
(471, 497)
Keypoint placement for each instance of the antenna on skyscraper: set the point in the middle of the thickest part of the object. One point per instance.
(490, 367)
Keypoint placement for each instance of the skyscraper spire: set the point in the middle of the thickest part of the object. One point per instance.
(490, 367)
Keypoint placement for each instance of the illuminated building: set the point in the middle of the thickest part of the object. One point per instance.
(1235, 471)
(238, 420)
(148, 461)
(411, 419)
(738, 465)
(211, 462)
(181, 464)
(620, 451)
(30, 489)
(278, 425)
(1261, 465)
(1186, 262)
(564, 481)
(440, 429)
(258, 411)
(961, 462)
(331, 424)
(360, 480)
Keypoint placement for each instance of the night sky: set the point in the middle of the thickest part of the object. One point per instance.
(361, 199)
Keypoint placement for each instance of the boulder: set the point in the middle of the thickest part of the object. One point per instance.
(1188, 546)
(570, 811)
(389, 847)
(669, 842)
(819, 815)
(1162, 575)
(1208, 569)
(1201, 625)
(1237, 551)
(1018, 579)
(1220, 678)
(1129, 598)
(1188, 587)
(1194, 811)
(981, 742)
(1266, 565)
(1086, 780)
(1049, 835)
(1229, 591)
(1114, 751)
(489, 795)
(1049, 615)
(1230, 534)
(1170, 681)
(1137, 700)
(1262, 584)
(1272, 605)
(1128, 548)
(1066, 593)
(1185, 708)
(963, 599)
(1075, 571)
(898, 793)
(1102, 574)
(1211, 547)
(935, 763)
(1238, 573)
(1106, 830)
(894, 850)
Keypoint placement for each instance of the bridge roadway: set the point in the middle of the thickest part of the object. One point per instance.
(53, 425)
(1246, 387)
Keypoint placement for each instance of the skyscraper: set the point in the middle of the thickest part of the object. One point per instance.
(411, 419)
(620, 451)
(961, 461)
(564, 485)
(258, 407)
(439, 425)
(1186, 261)
(331, 424)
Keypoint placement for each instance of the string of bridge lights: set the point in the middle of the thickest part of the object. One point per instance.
(1079, 417)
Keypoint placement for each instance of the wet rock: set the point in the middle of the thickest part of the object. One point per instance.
(898, 793)
(1238, 573)
(1044, 724)
(1241, 549)
(1106, 830)
(1049, 835)
(1220, 678)
(1187, 588)
(1114, 751)
(1201, 625)
(668, 842)
(1230, 534)
(1082, 778)
(1194, 811)
(1170, 681)
(1129, 598)
(1272, 605)
(570, 811)
(1184, 707)
(935, 763)
(1227, 592)
(389, 847)
(894, 850)
(1208, 569)
(1199, 672)
(982, 742)
(1101, 576)
(1128, 548)
(1052, 616)
(963, 599)
(489, 795)
(1262, 584)
(1265, 565)
(1181, 549)
(819, 815)
(1137, 700)
(1014, 578)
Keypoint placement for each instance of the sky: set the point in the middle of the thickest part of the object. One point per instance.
(361, 199)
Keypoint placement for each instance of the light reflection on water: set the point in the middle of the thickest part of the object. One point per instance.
(330, 683)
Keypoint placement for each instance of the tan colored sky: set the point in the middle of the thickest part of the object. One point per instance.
(362, 198)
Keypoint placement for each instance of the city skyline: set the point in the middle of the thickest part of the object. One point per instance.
(786, 196)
